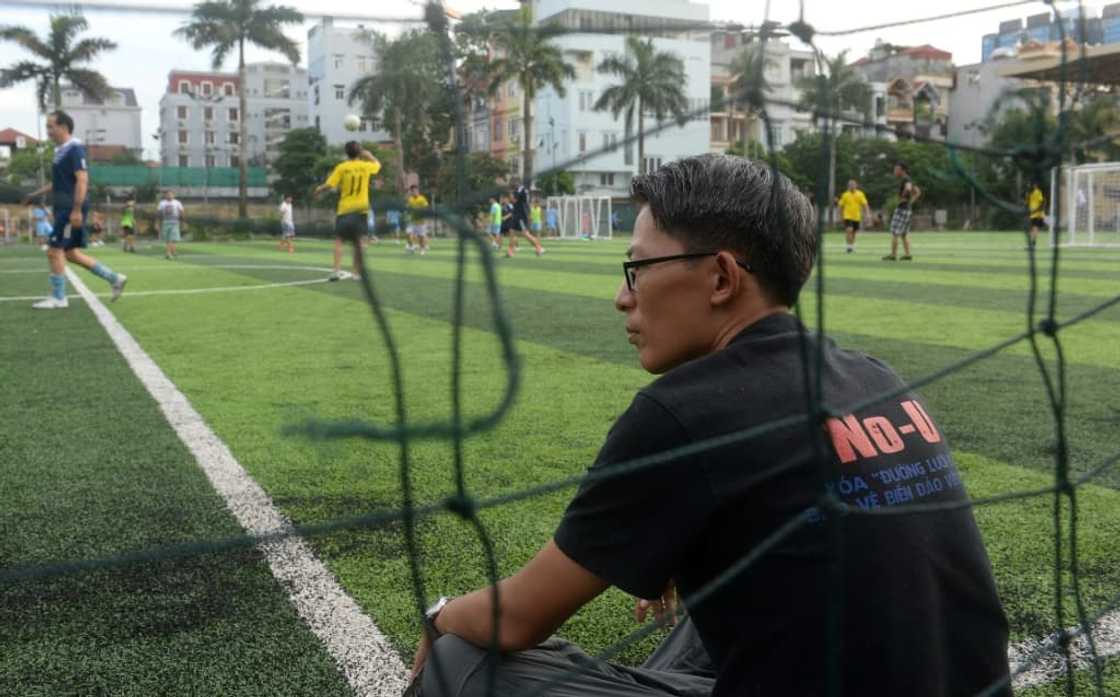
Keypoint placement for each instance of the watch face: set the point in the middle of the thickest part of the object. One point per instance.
(435, 608)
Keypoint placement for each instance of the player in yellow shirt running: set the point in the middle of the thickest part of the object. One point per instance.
(351, 180)
(852, 204)
(1037, 213)
(417, 222)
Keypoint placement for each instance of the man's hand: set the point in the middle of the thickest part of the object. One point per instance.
(76, 218)
(664, 608)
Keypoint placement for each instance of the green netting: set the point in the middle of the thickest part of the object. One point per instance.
(139, 175)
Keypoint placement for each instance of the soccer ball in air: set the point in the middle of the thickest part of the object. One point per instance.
(352, 122)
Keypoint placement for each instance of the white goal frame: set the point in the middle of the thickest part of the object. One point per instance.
(1090, 206)
(578, 216)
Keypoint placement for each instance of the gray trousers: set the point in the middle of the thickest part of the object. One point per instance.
(680, 667)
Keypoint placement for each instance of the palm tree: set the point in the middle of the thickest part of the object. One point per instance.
(525, 52)
(222, 26)
(1094, 130)
(404, 92)
(651, 81)
(828, 94)
(61, 56)
(748, 85)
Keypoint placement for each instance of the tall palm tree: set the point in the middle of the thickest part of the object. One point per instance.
(525, 52)
(748, 85)
(225, 25)
(403, 94)
(61, 55)
(829, 93)
(651, 81)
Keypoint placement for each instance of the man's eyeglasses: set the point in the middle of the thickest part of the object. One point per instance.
(630, 268)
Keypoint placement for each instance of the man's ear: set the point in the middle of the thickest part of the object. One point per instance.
(728, 279)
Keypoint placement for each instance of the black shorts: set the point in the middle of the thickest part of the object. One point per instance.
(853, 224)
(1038, 222)
(350, 226)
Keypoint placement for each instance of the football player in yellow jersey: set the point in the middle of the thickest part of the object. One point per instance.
(351, 180)
(1037, 213)
(417, 222)
(852, 204)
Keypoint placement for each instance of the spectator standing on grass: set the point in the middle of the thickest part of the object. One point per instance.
(171, 218)
(287, 225)
(42, 221)
(69, 187)
(908, 195)
(719, 255)
(552, 220)
(128, 226)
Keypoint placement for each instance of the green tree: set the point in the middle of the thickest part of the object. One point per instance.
(125, 158)
(561, 183)
(1094, 130)
(651, 81)
(749, 86)
(482, 173)
(25, 165)
(838, 88)
(526, 53)
(405, 96)
(61, 54)
(226, 25)
(295, 166)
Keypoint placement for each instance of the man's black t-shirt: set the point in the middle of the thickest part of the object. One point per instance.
(904, 195)
(919, 614)
(521, 205)
(507, 217)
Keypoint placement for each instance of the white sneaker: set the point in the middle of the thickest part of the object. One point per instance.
(540, 252)
(423, 251)
(43, 248)
(338, 276)
(118, 287)
(51, 304)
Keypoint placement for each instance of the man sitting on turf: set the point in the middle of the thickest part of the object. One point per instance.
(351, 180)
(719, 254)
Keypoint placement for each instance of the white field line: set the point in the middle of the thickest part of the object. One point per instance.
(360, 650)
(1051, 665)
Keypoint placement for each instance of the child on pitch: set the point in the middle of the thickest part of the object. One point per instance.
(852, 204)
(495, 223)
(1036, 213)
(536, 217)
(41, 220)
(128, 226)
(70, 186)
(417, 223)
(287, 225)
(552, 220)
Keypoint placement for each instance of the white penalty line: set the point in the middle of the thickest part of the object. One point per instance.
(362, 653)
(1048, 664)
(180, 291)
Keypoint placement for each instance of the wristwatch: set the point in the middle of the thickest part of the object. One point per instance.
(433, 612)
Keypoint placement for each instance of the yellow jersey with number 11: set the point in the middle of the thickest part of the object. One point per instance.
(351, 178)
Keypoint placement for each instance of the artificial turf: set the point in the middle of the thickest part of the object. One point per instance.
(256, 363)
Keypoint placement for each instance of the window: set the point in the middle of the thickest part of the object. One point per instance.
(316, 95)
(207, 88)
(233, 138)
(184, 138)
(511, 88)
(614, 141)
(367, 125)
(184, 87)
(184, 161)
(234, 160)
(233, 114)
(651, 165)
(606, 179)
(210, 138)
(583, 142)
(316, 122)
(338, 58)
(497, 130)
(227, 89)
(340, 91)
(514, 130)
(606, 141)
(181, 112)
(880, 106)
(363, 64)
(586, 100)
(208, 113)
(209, 160)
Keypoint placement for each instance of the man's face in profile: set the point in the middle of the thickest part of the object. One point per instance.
(668, 314)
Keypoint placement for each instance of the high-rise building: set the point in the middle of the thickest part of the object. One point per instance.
(784, 69)
(114, 121)
(336, 58)
(1044, 27)
(200, 115)
(568, 127)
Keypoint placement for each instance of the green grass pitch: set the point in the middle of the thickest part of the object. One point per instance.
(258, 342)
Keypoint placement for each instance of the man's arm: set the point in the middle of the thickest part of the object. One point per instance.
(534, 602)
(81, 186)
(915, 192)
(45, 189)
(368, 156)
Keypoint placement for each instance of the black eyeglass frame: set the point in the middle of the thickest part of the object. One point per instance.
(631, 264)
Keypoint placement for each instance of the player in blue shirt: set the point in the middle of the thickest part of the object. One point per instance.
(42, 220)
(69, 184)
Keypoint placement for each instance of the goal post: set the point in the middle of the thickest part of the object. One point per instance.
(1089, 206)
(587, 217)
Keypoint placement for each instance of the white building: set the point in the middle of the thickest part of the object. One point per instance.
(568, 127)
(336, 58)
(277, 94)
(111, 122)
(785, 67)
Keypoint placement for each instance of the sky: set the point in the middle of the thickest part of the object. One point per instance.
(147, 51)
